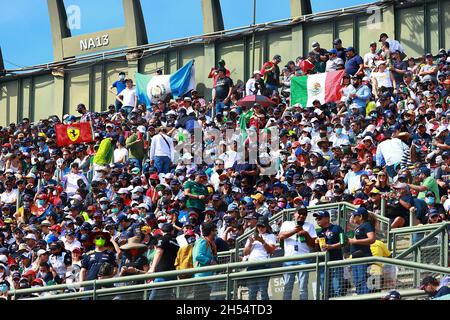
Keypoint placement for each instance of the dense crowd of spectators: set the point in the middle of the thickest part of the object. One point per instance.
(128, 203)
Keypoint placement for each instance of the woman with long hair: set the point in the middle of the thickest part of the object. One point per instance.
(363, 236)
(259, 247)
(382, 183)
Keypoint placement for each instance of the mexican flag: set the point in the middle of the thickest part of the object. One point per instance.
(324, 87)
(151, 88)
(74, 133)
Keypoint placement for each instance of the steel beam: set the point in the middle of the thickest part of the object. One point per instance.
(59, 27)
(300, 8)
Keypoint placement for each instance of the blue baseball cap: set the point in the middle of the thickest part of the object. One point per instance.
(321, 214)
(332, 51)
(361, 211)
(425, 171)
(350, 49)
(233, 207)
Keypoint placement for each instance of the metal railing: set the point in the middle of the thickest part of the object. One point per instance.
(235, 276)
(230, 272)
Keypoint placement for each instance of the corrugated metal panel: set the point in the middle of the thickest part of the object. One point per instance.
(77, 86)
(233, 54)
(411, 24)
(197, 53)
(322, 33)
(8, 102)
(280, 43)
(446, 14)
(345, 31)
(43, 97)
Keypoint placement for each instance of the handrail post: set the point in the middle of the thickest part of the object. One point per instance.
(227, 288)
(318, 279)
(94, 293)
(445, 246)
(326, 279)
(383, 207)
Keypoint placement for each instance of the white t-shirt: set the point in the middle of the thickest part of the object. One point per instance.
(292, 245)
(9, 197)
(258, 252)
(128, 96)
(383, 79)
(120, 154)
(332, 64)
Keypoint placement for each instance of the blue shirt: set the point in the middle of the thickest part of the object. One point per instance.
(352, 64)
(119, 85)
(363, 94)
(331, 235)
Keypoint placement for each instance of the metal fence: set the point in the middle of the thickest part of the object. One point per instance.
(243, 281)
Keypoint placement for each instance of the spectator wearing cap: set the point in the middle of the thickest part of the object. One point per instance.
(354, 64)
(164, 260)
(120, 85)
(70, 181)
(392, 295)
(299, 237)
(70, 242)
(359, 93)
(398, 68)
(321, 57)
(214, 73)
(333, 61)
(94, 259)
(383, 78)
(136, 146)
(370, 58)
(361, 239)
(337, 44)
(427, 183)
(197, 193)
(394, 45)
(433, 288)
(162, 151)
(271, 74)
(59, 261)
(204, 254)
(429, 71)
(338, 138)
(222, 91)
(128, 97)
(390, 153)
(259, 247)
(399, 204)
(255, 85)
(353, 178)
(333, 245)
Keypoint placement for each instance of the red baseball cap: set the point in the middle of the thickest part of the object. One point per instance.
(154, 176)
(56, 227)
(189, 233)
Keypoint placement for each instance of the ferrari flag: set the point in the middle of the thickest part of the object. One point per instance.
(74, 134)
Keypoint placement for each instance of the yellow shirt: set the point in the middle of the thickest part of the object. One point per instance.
(379, 249)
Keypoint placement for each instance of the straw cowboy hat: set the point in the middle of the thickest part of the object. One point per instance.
(133, 243)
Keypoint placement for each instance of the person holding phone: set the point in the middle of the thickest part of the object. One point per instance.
(259, 247)
(299, 238)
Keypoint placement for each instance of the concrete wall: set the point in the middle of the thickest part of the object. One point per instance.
(421, 28)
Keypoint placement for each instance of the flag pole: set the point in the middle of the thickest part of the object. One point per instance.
(253, 36)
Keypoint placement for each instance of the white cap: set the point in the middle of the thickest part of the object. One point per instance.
(447, 205)
(143, 205)
(440, 130)
(318, 112)
(168, 175)
(354, 106)
(31, 175)
(123, 191)
(305, 140)
(141, 129)
(138, 189)
(314, 119)
(41, 252)
(307, 129)
(134, 216)
(292, 159)
(30, 236)
(366, 78)
(3, 259)
(77, 197)
(256, 72)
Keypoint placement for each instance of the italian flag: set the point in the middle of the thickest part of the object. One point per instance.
(325, 87)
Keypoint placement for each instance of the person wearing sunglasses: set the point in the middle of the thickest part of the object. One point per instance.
(330, 238)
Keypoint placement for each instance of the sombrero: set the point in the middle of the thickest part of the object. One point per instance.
(133, 243)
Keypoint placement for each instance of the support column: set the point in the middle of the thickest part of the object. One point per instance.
(210, 61)
(2, 65)
(389, 22)
(58, 92)
(58, 24)
(300, 8)
(297, 41)
(212, 16)
(136, 33)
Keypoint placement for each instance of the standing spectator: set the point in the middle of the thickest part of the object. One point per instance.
(128, 97)
(354, 64)
(394, 45)
(321, 56)
(271, 73)
(254, 85)
(222, 91)
(162, 151)
(196, 194)
(164, 260)
(86, 116)
(120, 85)
(364, 236)
(398, 68)
(333, 61)
(259, 247)
(136, 146)
(370, 58)
(337, 43)
(70, 181)
(204, 254)
(332, 235)
(214, 73)
(360, 95)
(299, 238)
